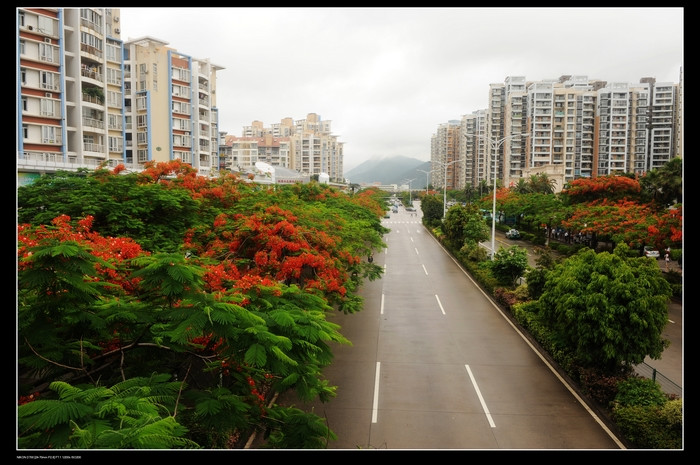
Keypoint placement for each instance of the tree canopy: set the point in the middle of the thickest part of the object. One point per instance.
(609, 309)
(218, 312)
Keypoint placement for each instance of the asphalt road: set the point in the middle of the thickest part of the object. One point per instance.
(436, 365)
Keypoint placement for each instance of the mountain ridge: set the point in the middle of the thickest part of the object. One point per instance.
(390, 170)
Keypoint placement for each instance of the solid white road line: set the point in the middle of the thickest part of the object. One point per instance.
(440, 304)
(481, 399)
(375, 404)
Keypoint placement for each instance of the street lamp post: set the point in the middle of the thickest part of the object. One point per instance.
(495, 145)
(410, 200)
(444, 186)
(427, 173)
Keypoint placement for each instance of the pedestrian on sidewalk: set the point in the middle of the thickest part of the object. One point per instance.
(667, 258)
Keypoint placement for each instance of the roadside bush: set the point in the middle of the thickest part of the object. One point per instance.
(676, 255)
(652, 426)
(473, 253)
(675, 279)
(601, 387)
(522, 293)
(536, 279)
(640, 391)
(536, 239)
(505, 297)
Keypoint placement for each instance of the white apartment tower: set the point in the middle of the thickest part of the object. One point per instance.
(69, 90)
(447, 164)
(575, 127)
(662, 124)
(315, 149)
(474, 147)
(514, 123)
(622, 114)
(494, 133)
(170, 106)
(312, 148)
(86, 99)
(499, 147)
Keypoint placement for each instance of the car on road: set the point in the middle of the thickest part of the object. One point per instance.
(513, 234)
(651, 252)
(387, 215)
(410, 209)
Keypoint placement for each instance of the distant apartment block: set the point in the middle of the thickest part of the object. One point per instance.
(306, 145)
(244, 152)
(87, 99)
(570, 127)
(447, 166)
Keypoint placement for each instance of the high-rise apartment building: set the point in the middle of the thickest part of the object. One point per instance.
(69, 90)
(514, 125)
(312, 148)
(87, 99)
(571, 127)
(246, 151)
(170, 106)
(447, 164)
(678, 117)
(622, 126)
(662, 126)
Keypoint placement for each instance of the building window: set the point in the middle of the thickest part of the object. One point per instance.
(47, 52)
(46, 25)
(48, 107)
(47, 80)
(49, 135)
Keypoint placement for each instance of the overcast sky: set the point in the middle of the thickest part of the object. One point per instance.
(388, 77)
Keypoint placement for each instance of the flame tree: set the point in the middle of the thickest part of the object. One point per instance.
(182, 345)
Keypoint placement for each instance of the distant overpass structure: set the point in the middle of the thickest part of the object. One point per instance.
(384, 187)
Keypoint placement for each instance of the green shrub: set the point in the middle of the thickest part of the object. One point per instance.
(602, 387)
(522, 293)
(676, 255)
(651, 426)
(473, 253)
(505, 297)
(640, 391)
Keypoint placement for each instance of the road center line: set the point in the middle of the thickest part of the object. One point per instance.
(381, 307)
(375, 403)
(440, 304)
(426, 271)
(481, 399)
(416, 249)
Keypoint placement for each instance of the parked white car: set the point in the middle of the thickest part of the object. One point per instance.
(513, 234)
(651, 252)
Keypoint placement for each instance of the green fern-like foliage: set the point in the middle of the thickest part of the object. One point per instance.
(291, 428)
(134, 414)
